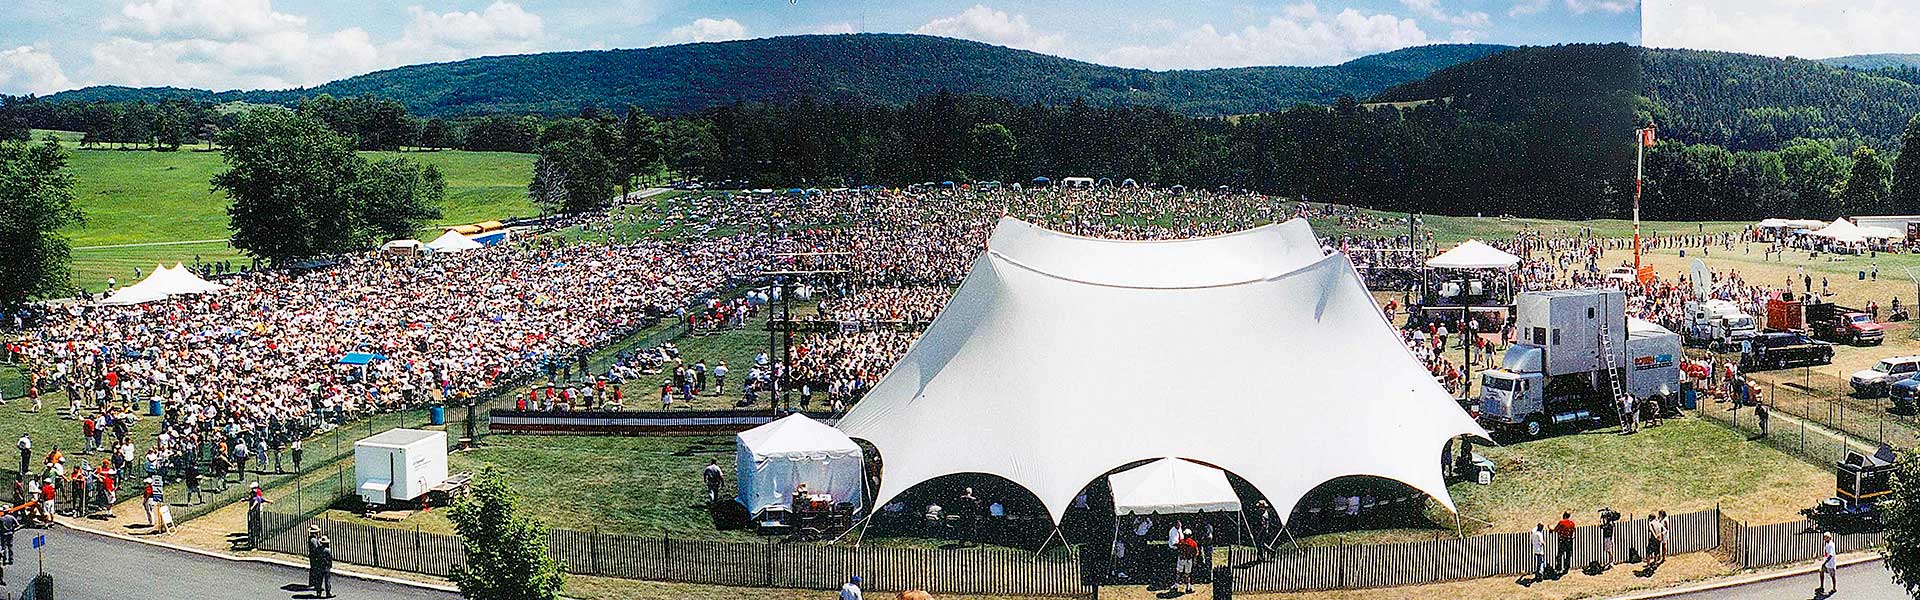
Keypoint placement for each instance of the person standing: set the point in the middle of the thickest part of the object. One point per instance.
(26, 451)
(8, 525)
(1563, 533)
(1654, 534)
(1185, 551)
(714, 480)
(313, 559)
(298, 452)
(1760, 411)
(323, 586)
(720, 378)
(1609, 519)
(1538, 539)
(1829, 566)
(851, 589)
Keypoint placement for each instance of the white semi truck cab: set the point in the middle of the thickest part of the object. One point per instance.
(1557, 376)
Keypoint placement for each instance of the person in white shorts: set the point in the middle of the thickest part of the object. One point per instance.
(1829, 566)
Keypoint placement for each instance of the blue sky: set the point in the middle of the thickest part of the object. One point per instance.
(1803, 28)
(49, 45)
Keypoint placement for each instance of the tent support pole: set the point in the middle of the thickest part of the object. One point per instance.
(861, 526)
(1044, 543)
(1458, 531)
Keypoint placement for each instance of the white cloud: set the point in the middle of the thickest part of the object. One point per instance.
(220, 20)
(706, 30)
(983, 24)
(27, 69)
(1581, 7)
(1302, 36)
(1804, 28)
(246, 44)
(1528, 7)
(503, 28)
(1431, 9)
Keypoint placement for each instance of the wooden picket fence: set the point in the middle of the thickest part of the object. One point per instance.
(1006, 572)
(739, 564)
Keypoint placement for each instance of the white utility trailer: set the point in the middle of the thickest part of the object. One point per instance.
(399, 465)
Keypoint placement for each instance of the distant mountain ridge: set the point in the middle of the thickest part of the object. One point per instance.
(867, 67)
(1869, 62)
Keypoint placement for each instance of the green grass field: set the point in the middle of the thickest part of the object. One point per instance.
(148, 197)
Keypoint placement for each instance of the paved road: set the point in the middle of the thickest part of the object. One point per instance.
(1864, 581)
(86, 566)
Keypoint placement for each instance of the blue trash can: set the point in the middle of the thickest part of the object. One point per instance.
(153, 407)
(436, 415)
(1689, 398)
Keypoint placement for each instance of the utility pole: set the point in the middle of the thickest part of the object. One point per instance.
(779, 356)
(1643, 139)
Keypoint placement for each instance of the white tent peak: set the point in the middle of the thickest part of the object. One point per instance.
(1473, 254)
(796, 433)
(453, 241)
(1172, 485)
(1060, 359)
(1250, 255)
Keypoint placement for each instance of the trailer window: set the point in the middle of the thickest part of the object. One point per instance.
(1589, 312)
(1556, 336)
(1539, 336)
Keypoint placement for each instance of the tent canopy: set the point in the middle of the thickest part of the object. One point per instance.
(453, 241)
(360, 358)
(1056, 346)
(1473, 255)
(164, 282)
(774, 458)
(1172, 486)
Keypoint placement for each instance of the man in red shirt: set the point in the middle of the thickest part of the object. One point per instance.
(1187, 549)
(1563, 556)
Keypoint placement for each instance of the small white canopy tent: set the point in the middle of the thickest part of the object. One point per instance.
(774, 458)
(1172, 486)
(1473, 255)
(1842, 230)
(453, 241)
(180, 280)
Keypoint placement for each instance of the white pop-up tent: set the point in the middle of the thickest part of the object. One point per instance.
(1473, 255)
(453, 241)
(1172, 486)
(774, 458)
(1056, 346)
(162, 283)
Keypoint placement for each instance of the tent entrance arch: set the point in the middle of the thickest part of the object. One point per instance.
(1360, 503)
(939, 509)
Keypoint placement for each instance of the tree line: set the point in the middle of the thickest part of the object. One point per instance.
(1805, 179)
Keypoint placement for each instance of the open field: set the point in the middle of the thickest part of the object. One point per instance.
(135, 196)
(144, 197)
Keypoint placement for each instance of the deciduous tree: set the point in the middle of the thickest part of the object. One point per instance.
(506, 548)
(36, 203)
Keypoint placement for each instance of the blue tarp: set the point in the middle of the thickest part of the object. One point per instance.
(361, 358)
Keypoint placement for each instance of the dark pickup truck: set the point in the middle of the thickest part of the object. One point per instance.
(1776, 349)
(1838, 323)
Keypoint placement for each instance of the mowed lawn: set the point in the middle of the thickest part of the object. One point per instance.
(618, 484)
(140, 196)
(148, 197)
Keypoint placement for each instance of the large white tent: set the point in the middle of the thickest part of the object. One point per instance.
(1172, 486)
(453, 241)
(1473, 255)
(774, 458)
(1061, 358)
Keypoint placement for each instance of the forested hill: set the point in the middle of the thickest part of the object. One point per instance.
(867, 68)
(1869, 62)
(1747, 102)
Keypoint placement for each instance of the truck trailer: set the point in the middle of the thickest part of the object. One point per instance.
(399, 465)
(1718, 324)
(1836, 323)
(1575, 347)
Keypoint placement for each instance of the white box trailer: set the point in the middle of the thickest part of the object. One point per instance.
(399, 465)
(1564, 325)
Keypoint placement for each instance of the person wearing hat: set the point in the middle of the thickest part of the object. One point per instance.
(319, 563)
(1186, 550)
(851, 591)
(1829, 565)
